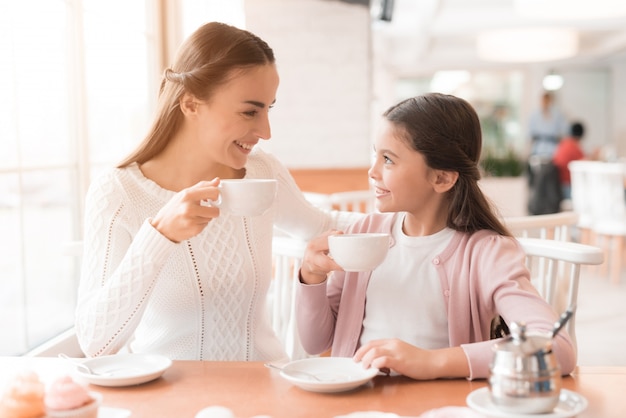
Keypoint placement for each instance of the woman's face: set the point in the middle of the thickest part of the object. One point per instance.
(403, 182)
(235, 117)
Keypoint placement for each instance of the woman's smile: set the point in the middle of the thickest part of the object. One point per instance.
(245, 147)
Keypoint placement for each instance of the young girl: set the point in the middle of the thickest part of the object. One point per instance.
(162, 272)
(452, 267)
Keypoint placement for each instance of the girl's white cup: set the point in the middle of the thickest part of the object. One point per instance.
(246, 197)
(359, 252)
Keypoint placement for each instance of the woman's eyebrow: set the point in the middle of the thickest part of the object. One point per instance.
(258, 104)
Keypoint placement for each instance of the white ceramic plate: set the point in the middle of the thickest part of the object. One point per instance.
(124, 369)
(335, 374)
(570, 404)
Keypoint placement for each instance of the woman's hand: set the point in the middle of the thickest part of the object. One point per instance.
(316, 263)
(413, 362)
(184, 216)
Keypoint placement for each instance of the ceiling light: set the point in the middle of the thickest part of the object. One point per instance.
(552, 82)
(527, 45)
(570, 9)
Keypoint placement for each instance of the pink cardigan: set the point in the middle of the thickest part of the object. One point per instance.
(482, 275)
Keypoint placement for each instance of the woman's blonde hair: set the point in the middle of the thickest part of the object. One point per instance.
(206, 60)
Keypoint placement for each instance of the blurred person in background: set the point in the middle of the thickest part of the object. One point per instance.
(547, 125)
(569, 149)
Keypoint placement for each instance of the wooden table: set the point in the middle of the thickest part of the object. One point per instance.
(250, 389)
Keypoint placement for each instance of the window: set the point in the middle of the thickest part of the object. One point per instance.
(77, 81)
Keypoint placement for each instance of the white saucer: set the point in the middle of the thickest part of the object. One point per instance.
(570, 404)
(124, 369)
(336, 374)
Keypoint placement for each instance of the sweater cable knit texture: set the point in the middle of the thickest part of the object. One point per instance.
(204, 298)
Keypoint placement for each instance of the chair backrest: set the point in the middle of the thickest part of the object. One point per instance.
(555, 271)
(551, 226)
(66, 343)
(287, 256)
(581, 191)
(606, 196)
(352, 200)
(355, 201)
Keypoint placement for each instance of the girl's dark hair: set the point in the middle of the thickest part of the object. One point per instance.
(446, 131)
(210, 57)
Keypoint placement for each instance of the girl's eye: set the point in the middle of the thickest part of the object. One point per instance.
(387, 160)
(251, 113)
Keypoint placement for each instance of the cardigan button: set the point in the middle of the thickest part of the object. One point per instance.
(436, 261)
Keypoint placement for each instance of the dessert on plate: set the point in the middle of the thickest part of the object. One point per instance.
(65, 398)
(23, 397)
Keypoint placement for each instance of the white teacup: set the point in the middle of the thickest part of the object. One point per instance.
(246, 197)
(359, 252)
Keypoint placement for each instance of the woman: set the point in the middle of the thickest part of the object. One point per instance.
(164, 272)
(452, 268)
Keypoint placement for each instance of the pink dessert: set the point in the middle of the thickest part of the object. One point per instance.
(23, 397)
(67, 399)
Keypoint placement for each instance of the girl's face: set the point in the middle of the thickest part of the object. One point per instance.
(236, 116)
(403, 182)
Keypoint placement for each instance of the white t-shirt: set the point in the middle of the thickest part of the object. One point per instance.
(404, 297)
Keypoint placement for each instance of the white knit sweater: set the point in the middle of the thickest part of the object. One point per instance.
(201, 299)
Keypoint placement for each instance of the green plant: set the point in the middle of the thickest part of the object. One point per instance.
(507, 165)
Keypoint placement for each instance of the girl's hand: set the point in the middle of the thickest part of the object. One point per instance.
(184, 216)
(412, 361)
(316, 263)
(392, 354)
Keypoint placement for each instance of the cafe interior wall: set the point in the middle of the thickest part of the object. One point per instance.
(332, 88)
(322, 114)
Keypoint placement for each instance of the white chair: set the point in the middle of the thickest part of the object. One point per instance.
(66, 343)
(607, 199)
(555, 271)
(352, 200)
(581, 197)
(287, 256)
(355, 201)
(556, 226)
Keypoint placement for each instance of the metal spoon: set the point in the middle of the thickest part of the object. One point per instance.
(79, 364)
(294, 373)
(565, 316)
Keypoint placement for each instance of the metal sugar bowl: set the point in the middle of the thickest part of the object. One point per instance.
(524, 376)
